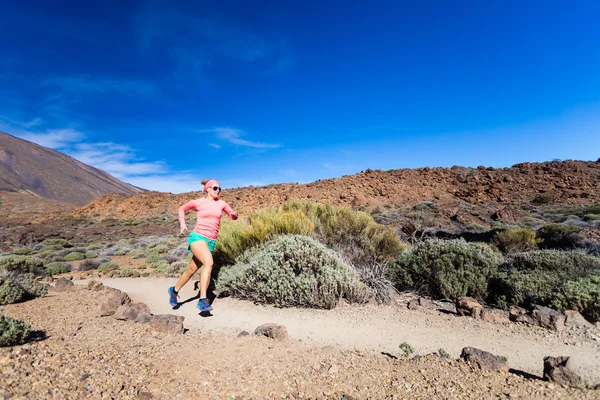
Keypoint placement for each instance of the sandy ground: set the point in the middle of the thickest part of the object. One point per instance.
(378, 328)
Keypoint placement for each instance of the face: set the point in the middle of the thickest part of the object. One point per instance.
(214, 191)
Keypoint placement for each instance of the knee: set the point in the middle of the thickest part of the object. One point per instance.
(192, 267)
(208, 266)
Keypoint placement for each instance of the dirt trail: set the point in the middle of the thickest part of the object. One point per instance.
(379, 328)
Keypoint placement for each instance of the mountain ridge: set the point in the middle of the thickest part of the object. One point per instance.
(29, 168)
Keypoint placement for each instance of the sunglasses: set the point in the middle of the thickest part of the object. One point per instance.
(216, 188)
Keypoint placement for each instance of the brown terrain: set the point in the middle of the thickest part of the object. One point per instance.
(328, 355)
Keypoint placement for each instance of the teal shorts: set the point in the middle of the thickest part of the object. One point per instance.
(194, 237)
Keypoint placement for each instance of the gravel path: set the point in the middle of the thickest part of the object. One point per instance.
(88, 356)
(379, 328)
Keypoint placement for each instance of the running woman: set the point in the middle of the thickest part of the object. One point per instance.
(202, 239)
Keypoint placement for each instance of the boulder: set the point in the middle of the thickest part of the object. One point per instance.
(126, 313)
(575, 319)
(557, 369)
(413, 304)
(484, 359)
(466, 306)
(63, 285)
(143, 317)
(548, 318)
(95, 285)
(167, 323)
(494, 315)
(273, 331)
(116, 299)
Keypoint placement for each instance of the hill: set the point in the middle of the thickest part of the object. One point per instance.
(28, 168)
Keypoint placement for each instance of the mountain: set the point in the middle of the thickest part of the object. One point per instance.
(28, 168)
(459, 193)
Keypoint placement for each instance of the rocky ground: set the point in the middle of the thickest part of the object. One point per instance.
(83, 355)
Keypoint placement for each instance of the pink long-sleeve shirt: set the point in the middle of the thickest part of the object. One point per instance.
(208, 216)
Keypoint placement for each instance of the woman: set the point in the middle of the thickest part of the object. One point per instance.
(202, 240)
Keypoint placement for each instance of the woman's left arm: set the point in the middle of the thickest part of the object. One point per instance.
(230, 211)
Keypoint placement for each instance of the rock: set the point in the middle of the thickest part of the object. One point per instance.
(484, 359)
(167, 323)
(557, 369)
(243, 333)
(117, 299)
(494, 315)
(143, 317)
(465, 306)
(423, 302)
(145, 396)
(94, 285)
(575, 319)
(273, 331)
(63, 285)
(413, 304)
(126, 313)
(548, 318)
(334, 369)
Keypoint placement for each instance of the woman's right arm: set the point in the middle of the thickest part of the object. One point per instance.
(187, 206)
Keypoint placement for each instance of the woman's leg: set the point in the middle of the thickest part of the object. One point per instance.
(203, 254)
(199, 249)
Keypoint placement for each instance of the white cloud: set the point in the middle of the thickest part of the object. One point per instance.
(174, 183)
(216, 146)
(52, 138)
(233, 136)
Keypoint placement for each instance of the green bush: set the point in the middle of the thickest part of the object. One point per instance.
(11, 293)
(62, 243)
(239, 236)
(74, 256)
(108, 266)
(22, 251)
(292, 270)
(515, 240)
(12, 331)
(22, 264)
(558, 236)
(591, 217)
(56, 268)
(446, 268)
(537, 277)
(16, 287)
(126, 273)
(582, 295)
(338, 224)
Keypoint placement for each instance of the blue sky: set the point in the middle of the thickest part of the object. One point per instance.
(261, 92)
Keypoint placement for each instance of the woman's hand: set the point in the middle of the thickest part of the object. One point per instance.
(183, 231)
(234, 215)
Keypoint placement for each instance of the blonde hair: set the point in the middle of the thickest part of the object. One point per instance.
(204, 182)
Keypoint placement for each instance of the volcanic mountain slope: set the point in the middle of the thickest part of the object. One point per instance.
(500, 192)
(28, 168)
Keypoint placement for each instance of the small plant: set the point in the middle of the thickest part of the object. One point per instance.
(425, 205)
(407, 349)
(515, 240)
(22, 251)
(12, 331)
(108, 266)
(57, 268)
(558, 236)
(74, 256)
(443, 353)
(127, 273)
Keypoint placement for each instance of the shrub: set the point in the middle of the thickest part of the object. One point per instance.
(56, 268)
(237, 237)
(537, 277)
(591, 217)
(292, 270)
(12, 331)
(582, 295)
(446, 268)
(558, 236)
(152, 258)
(11, 293)
(107, 266)
(126, 273)
(515, 240)
(88, 265)
(407, 349)
(22, 251)
(74, 256)
(16, 287)
(424, 205)
(338, 224)
(62, 243)
(22, 264)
